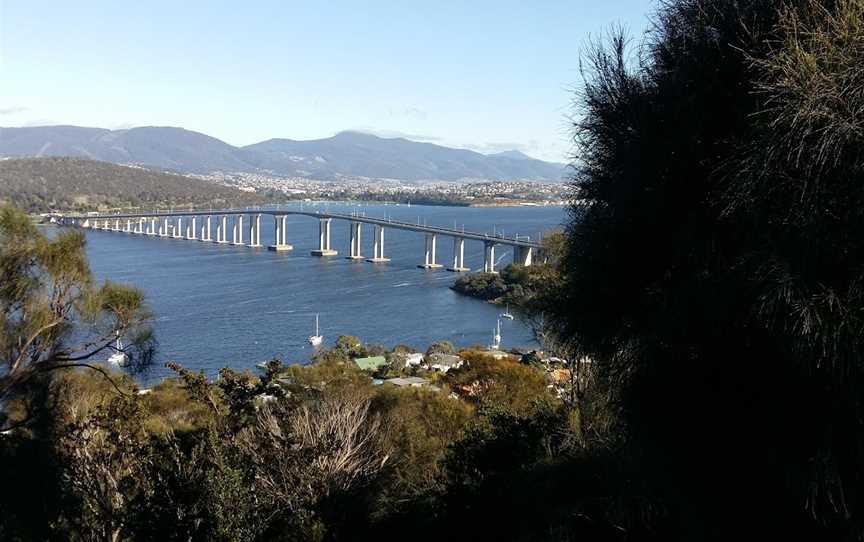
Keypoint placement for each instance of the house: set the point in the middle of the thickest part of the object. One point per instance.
(412, 360)
(443, 362)
(372, 363)
(410, 381)
(406, 359)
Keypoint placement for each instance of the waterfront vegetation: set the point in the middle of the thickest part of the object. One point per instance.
(520, 286)
(708, 301)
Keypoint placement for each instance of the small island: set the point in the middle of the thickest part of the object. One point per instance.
(516, 285)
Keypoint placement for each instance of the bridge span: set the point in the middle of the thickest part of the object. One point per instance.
(230, 229)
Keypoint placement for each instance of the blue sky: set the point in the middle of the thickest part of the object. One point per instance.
(482, 75)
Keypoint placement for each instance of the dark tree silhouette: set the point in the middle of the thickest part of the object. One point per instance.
(714, 268)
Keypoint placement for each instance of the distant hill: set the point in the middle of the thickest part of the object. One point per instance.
(515, 155)
(351, 154)
(166, 148)
(55, 183)
(360, 154)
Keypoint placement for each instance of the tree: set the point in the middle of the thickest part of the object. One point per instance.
(506, 383)
(305, 458)
(52, 314)
(346, 348)
(711, 270)
(105, 462)
(421, 423)
(440, 347)
(532, 359)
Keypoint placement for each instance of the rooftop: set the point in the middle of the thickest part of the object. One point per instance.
(443, 359)
(371, 363)
(407, 381)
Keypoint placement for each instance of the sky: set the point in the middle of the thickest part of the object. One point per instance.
(487, 76)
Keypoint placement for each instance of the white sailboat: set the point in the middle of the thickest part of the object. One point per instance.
(506, 314)
(496, 337)
(119, 357)
(317, 339)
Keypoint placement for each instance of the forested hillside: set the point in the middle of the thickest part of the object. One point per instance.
(61, 183)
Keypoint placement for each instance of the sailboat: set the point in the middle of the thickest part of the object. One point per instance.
(496, 337)
(506, 314)
(317, 339)
(119, 357)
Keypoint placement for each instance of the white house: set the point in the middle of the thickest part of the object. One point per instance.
(412, 360)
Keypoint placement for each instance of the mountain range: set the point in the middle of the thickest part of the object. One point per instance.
(347, 154)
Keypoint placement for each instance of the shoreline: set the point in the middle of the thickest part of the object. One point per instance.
(465, 205)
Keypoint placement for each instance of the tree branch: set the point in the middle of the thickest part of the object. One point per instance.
(27, 344)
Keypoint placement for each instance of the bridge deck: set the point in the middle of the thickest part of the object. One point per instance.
(497, 239)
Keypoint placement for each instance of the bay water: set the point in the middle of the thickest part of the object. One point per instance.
(222, 305)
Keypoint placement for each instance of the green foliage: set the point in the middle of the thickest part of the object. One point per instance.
(531, 358)
(346, 348)
(171, 408)
(522, 287)
(422, 423)
(319, 375)
(711, 272)
(499, 440)
(404, 349)
(503, 382)
(51, 314)
(486, 286)
(75, 184)
(711, 275)
(104, 457)
(440, 347)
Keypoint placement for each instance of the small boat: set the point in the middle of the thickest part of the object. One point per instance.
(119, 357)
(496, 337)
(506, 314)
(317, 339)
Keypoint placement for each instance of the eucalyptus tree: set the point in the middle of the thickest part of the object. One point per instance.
(53, 314)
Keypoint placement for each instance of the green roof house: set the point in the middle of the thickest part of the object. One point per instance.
(371, 363)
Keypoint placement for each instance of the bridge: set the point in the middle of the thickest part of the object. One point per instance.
(233, 225)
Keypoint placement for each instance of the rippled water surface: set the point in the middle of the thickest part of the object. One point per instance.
(219, 305)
